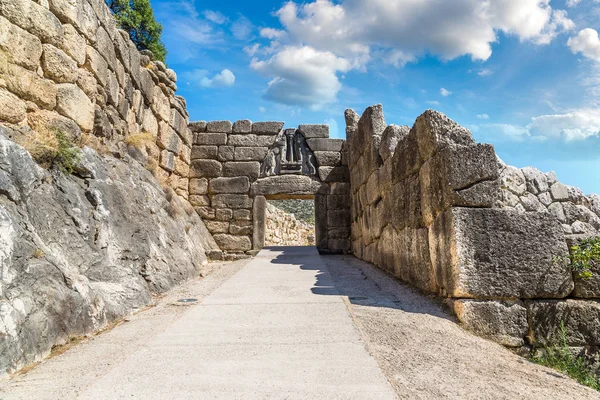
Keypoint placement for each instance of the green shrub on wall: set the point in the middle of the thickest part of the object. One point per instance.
(137, 18)
(583, 255)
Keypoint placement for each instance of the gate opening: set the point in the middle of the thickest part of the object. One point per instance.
(290, 223)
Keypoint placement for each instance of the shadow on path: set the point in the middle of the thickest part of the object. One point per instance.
(362, 283)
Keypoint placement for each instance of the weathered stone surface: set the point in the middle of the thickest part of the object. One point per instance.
(224, 214)
(411, 258)
(48, 122)
(559, 192)
(328, 158)
(226, 153)
(96, 64)
(198, 126)
(205, 169)
(556, 209)
(334, 174)
(251, 169)
(118, 209)
(286, 185)
(267, 128)
(502, 322)
(204, 152)
(161, 104)
(219, 126)
(406, 160)
(390, 138)
(314, 131)
(318, 144)
(167, 160)
(73, 103)
(233, 242)
(250, 153)
(512, 179)
(240, 228)
(242, 126)
(106, 47)
(321, 228)
(24, 48)
(240, 184)
(198, 186)
(250, 140)
(537, 181)
(168, 138)
(217, 226)
(34, 18)
(434, 131)
(581, 319)
(200, 201)
(491, 253)
(146, 86)
(232, 201)
(210, 139)
(29, 86)
(12, 109)
(259, 211)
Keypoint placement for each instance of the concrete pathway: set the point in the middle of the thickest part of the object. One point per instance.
(292, 325)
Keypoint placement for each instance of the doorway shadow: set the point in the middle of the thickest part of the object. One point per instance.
(362, 283)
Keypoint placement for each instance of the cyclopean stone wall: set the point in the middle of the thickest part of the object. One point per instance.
(65, 65)
(284, 229)
(427, 206)
(236, 167)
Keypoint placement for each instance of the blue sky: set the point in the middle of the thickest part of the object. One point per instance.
(523, 75)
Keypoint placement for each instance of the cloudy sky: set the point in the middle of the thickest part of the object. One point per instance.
(523, 75)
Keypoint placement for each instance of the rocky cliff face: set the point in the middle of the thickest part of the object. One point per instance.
(77, 252)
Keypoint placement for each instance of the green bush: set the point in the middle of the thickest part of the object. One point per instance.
(582, 256)
(560, 358)
(52, 149)
(137, 18)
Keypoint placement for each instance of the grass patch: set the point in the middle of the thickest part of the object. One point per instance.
(140, 140)
(560, 358)
(52, 150)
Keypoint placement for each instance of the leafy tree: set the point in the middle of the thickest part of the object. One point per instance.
(137, 18)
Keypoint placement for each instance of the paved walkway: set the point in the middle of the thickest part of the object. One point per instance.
(292, 325)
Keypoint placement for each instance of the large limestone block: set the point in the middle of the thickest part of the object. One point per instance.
(206, 169)
(204, 152)
(459, 176)
(106, 47)
(328, 158)
(240, 184)
(167, 160)
(406, 160)
(320, 144)
(559, 192)
(537, 181)
(96, 64)
(73, 103)
(161, 105)
(412, 259)
(18, 46)
(214, 139)
(504, 322)
(259, 213)
(30, 86)
(314, 131)
(58, 66)
(499, 253)
(34, 18)
(267, 128)
(233, 242)
(434, 131)
(352, 119)
(198, 186)
(250, 140)
(78, 13)
(581, 319)
(406, 200)
(242, 126)
(232, 201)
(367, 136)
(219, 127)
(390, 138)
(286, 185)
(250, 153)
(168, 138)
(334, 174)
(251, 169)
(12, 109)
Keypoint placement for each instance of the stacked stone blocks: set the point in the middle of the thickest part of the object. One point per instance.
(228, 192)
(427, 206)
(64, 65)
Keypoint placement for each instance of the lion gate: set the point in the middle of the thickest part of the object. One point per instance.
(237, 167)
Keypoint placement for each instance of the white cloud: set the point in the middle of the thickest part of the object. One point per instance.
(433, 102)
(215, 17)
(587, 43)
(400, 31)
(302, 76)
(222, 79)
(252, 50)
(572, 3)
(262, 109)
(485, 72)
(572, 126)
(483, 116)
(445, 92)
(242, 28)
